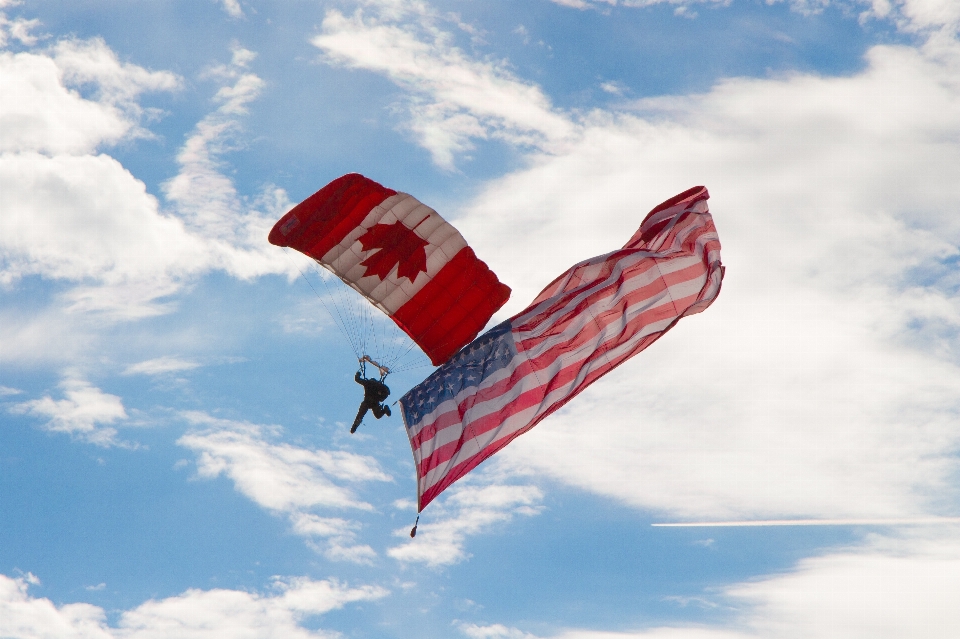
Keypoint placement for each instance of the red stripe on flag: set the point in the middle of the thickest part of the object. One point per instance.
(560, 319)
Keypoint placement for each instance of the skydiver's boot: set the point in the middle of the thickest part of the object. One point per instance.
(386, 410)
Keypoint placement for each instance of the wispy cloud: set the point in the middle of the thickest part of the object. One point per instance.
(161, 366)
(339, 537)
(92, 64)
(52, 119)
(614, 88)
(475, 506)
(894, 522)
(453, 98)
(233, 8)
(493, 631)
(19, 29)
(197, 614)
(890, 586)
(85, 412)
(908, 15)
(72, 213)
(205, 197)
(75, 214)
(287, 480)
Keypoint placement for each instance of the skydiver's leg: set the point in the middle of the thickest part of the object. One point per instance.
(360, 414)
(379, 411)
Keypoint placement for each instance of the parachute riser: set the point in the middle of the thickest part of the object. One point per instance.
(384, 371)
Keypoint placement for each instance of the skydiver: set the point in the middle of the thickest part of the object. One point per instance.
(374, 392)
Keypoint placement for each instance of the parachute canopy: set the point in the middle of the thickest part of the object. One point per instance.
(399, 254)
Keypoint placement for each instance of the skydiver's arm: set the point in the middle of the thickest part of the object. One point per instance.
(357, 378)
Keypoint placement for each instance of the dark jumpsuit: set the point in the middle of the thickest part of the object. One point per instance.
(374, 392)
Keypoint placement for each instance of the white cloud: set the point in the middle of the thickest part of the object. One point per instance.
(18, 29)
(453, 98)
(681, 4)
(75, 214)
(41, 110)
(160, 366)
(499, 631)
(91, 63)
(6, 391)
(234, 228)
(233, 8)
(339, 537)
(287, 479)
(908, 15)
(280, 477)
(914, 16)
(575, 4)
(195, 614)
(306, 320)
(205, 197)
(893, 587)
(825, 381)
(470, 509)
(25, 617)
(889, 587)
(922, 14)
(84, 413)
(87, 219)
(48, 335)
(614, 88)
(494, 631)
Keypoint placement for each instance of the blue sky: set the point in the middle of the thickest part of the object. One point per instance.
(175, 401)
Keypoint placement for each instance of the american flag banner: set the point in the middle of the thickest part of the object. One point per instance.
(589, 320)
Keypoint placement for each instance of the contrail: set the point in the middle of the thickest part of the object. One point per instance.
(908, 521)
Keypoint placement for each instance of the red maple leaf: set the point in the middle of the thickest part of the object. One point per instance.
(398, 246)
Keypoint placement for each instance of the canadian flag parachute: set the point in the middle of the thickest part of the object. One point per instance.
(399, 254)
